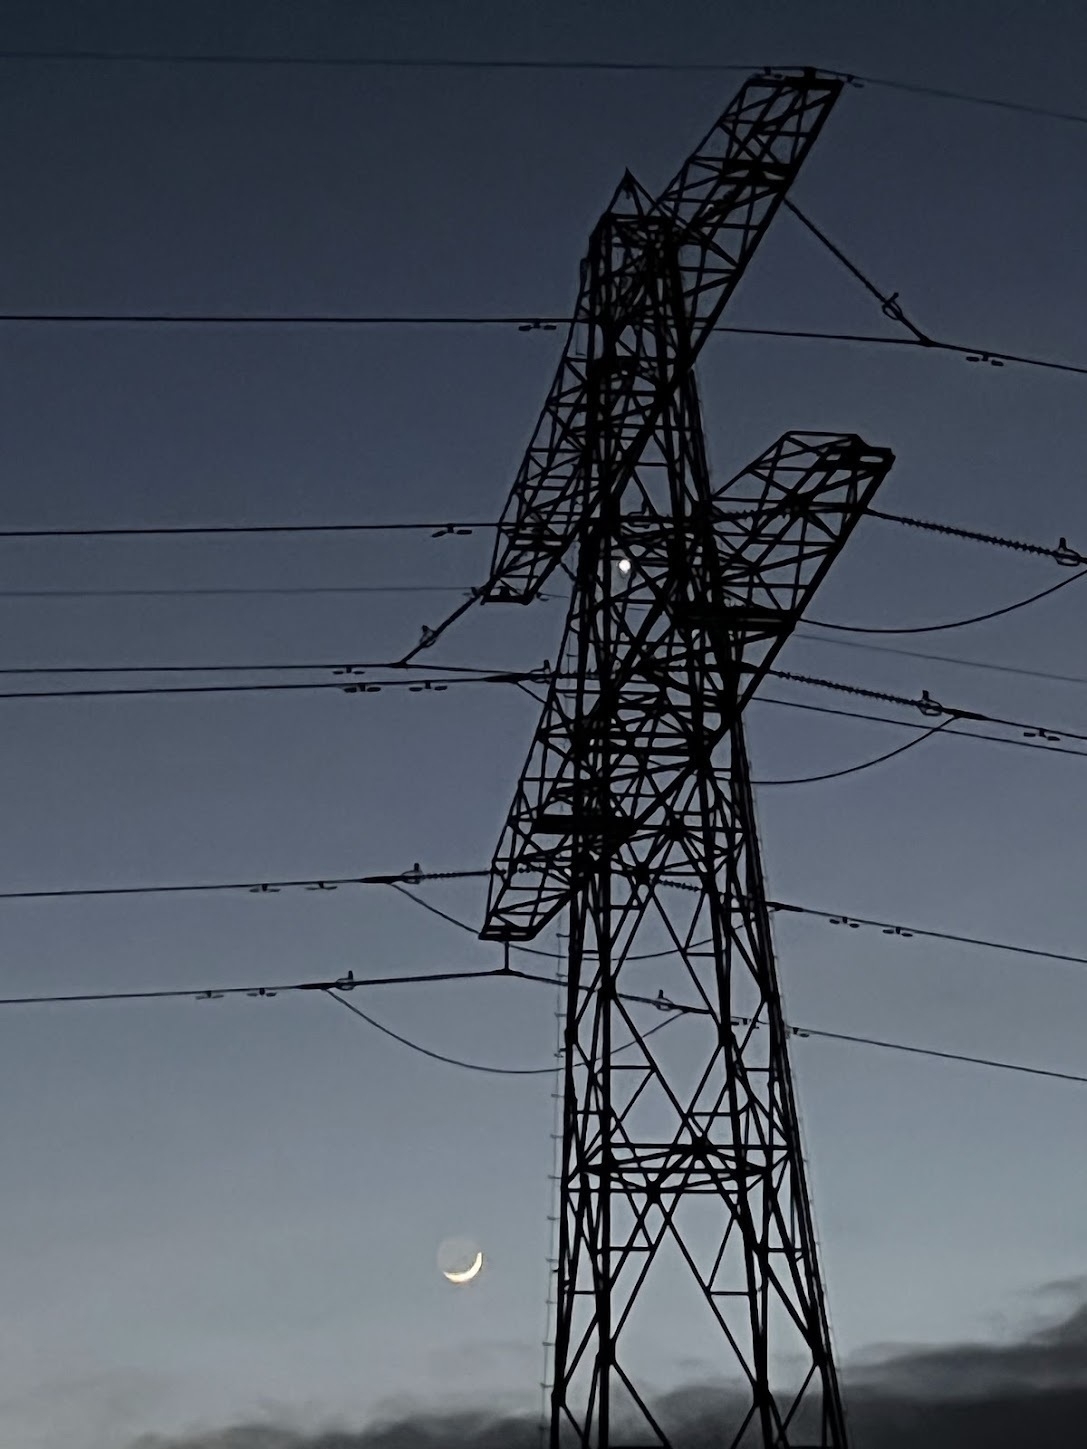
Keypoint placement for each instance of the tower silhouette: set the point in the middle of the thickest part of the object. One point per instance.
(683, 1193)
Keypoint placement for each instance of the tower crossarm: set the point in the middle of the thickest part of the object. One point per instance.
(703, 231)
(725, 194)
(778, 527)
(686, 629)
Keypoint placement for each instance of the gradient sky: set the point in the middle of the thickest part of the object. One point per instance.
(213, 1211)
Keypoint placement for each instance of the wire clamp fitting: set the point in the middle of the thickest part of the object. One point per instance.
(1067, 557)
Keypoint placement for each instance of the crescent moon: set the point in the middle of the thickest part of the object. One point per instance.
(468, 1274)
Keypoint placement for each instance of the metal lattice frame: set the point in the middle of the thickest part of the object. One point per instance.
(709, 221)
(635, 810)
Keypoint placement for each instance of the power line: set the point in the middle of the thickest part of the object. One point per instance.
(413, 876)
(413, 686)
(897, 929)
(463, 527)
(479, 1066)
(333, 988)
(333, 666)
(416, 876)
(517, 946)
(893, 310)
(236, 591)
(347, 982)
(489, 1069)
(440, 684)
(436, 530)
(951, 623)
(971, 352)
(835, 917)
(452, 920)
(943, 658)
(365, 62)
(906, 724)
(898, 1046)
(1062, 554)
(972, 98)
(439, 1056)
(524, 323)
(401, 879)
(362, 62)
(431, 636)
(856, 769)
(889, 303)
(926, 704)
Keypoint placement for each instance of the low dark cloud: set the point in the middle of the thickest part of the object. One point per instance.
(1031, 1390)
(438, 1431)
(977, 1395)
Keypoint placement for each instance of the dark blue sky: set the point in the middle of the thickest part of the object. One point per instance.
(216, 1210)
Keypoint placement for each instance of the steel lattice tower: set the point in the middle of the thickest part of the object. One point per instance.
(635, 810)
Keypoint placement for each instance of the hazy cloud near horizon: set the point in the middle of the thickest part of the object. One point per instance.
(1029, 1389)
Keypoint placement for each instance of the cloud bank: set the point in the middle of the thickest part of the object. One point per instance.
(961, 1396)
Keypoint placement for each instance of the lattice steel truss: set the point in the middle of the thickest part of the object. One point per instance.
(635, 811)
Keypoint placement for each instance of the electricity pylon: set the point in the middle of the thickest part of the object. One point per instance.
(635, 813)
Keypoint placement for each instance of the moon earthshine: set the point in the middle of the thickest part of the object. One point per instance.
(460, 1260)
(469, 1273)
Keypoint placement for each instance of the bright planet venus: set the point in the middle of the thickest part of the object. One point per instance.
(459, 1260)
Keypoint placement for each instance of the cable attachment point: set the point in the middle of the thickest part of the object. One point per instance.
(1067, 557)
(927, 705)
(892, 309)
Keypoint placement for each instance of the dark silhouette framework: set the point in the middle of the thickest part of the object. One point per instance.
(635, 813)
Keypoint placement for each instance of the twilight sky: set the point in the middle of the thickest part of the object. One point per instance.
(223, 1213)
